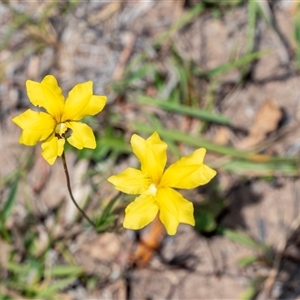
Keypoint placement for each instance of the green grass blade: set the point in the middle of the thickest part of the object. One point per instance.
(196, 141)
(242, 238)
(297, 37)
(284, 166)
(22, 287)
(65, 270)
(183, 21)
(22, 269)
(55, 287)
(265, 164)
(252, 16)
(249, 294)
(229, 66)
(182, 109)
(247, 260)
(107, 215)
(19, 20)
(114, 144)
(11, 200)
(130, 77)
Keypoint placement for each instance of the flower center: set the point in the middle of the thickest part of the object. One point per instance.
(152, 189)
(60, 130)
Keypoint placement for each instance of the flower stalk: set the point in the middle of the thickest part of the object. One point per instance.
(71, 193)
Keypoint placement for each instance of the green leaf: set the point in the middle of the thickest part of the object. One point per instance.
(205, 221)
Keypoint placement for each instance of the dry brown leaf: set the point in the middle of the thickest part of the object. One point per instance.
(265, 122)
(148, 244)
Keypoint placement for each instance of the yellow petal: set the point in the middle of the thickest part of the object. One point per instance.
(46, 94)
(51, 148)
(95, 105)
(131, 181)
(151, 154)
(189, 172)
(82, 135)
(37, 126)
(140, 212)
(78, 99)
(174, 209)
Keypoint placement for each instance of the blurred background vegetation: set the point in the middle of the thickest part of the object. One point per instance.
(223, 75)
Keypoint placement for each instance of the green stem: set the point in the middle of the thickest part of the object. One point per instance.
(71, 193)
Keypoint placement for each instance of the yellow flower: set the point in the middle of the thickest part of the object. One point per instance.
(155, 185)
(51, 127)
